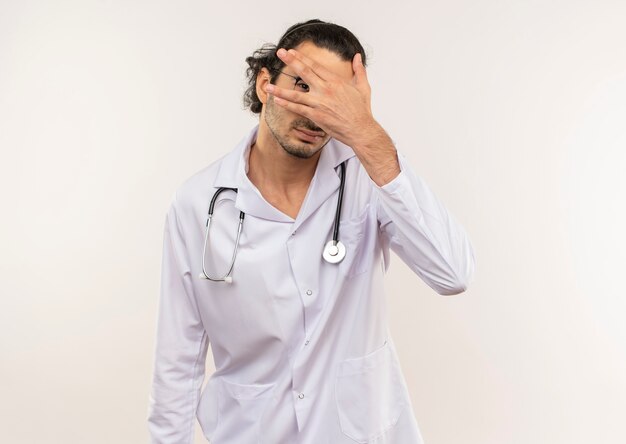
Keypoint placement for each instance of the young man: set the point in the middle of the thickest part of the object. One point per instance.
(291, 301)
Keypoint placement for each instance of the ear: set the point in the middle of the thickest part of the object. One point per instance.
(262, 79)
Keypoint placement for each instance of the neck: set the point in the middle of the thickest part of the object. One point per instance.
(271, 166)
(282, 179)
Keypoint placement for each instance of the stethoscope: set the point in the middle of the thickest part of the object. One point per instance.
(334, 250)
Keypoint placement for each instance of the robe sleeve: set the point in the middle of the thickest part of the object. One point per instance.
(419, 229)
(181, 345)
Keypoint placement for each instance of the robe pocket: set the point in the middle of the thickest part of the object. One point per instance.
(370, 395)
(240, 408)
(353, 234)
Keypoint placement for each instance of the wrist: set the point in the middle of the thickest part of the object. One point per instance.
(378, 155)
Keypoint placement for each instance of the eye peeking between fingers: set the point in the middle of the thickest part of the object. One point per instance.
(301, 86)
(298, 83)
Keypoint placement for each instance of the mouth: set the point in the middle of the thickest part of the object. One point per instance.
(309, 136)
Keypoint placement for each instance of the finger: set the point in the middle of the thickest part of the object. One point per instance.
(321, 71)
(291, 95)
(360, 73)
(297, 108)
(308, 70)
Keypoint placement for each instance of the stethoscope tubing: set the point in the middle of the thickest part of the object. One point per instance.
(337, 248)
(339, 203)
(242, 215)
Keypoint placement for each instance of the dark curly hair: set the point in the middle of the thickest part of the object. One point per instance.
(325, 35)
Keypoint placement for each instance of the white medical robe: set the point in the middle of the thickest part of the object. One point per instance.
(301, 347)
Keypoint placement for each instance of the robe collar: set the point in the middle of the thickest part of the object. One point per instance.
(233, 174)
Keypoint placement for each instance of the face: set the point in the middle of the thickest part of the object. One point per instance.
(296, 134)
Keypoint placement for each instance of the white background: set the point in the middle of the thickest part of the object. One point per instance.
(514, 112)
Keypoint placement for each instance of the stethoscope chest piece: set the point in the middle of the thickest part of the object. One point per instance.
(334, 252)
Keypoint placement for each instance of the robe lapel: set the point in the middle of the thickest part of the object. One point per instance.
(232, 174)
(326, 180)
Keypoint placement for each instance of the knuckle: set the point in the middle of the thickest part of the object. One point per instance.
(329, 87)
(314, 65)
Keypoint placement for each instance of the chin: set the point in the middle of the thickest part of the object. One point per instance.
(304, 149)
(301, 153)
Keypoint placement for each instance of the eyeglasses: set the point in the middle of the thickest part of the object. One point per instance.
(298, 84)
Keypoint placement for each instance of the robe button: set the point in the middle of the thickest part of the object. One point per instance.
(309, 292)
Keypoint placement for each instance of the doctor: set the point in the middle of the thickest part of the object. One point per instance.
(300, 344)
